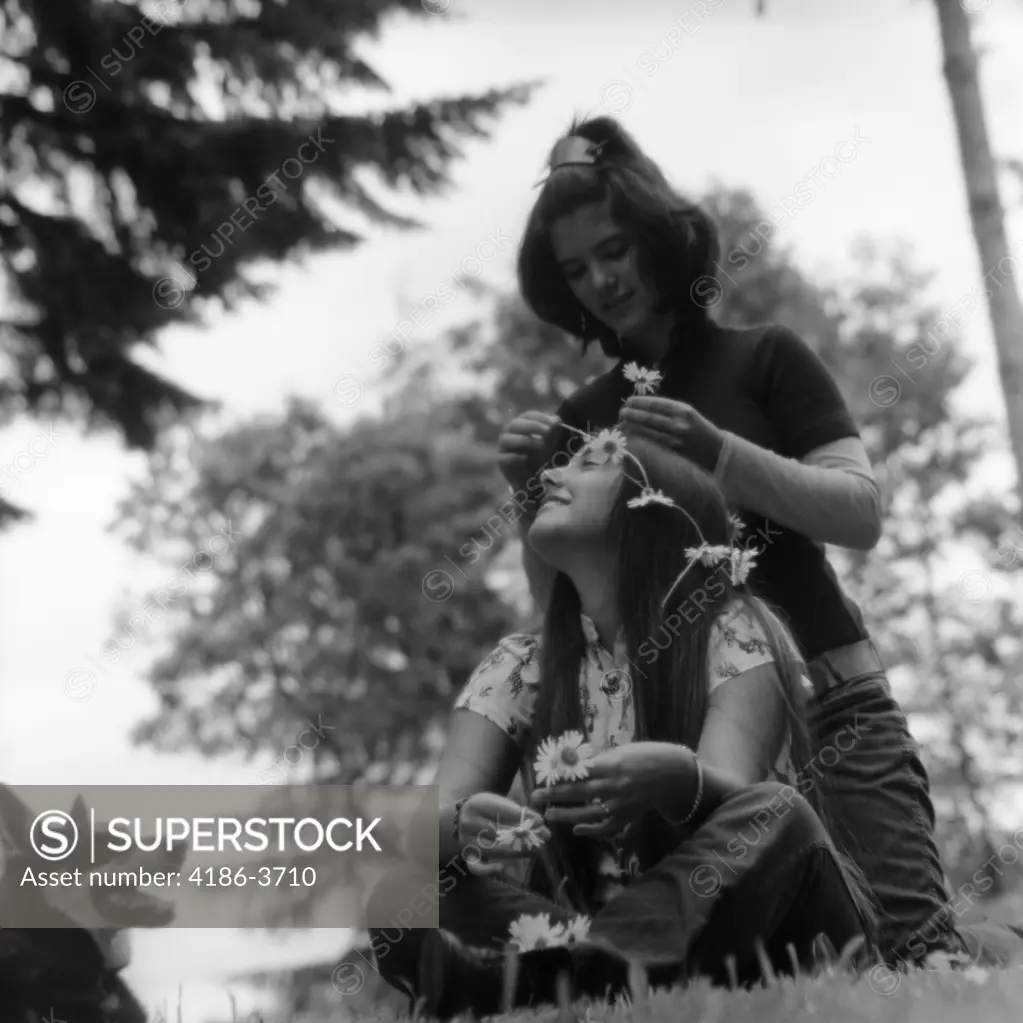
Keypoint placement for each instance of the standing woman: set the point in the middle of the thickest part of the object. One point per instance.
(612, 253)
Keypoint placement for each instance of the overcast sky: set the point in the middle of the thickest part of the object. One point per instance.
(715, 94)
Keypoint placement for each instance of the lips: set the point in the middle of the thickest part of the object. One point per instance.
(617, 303)
(552, 498)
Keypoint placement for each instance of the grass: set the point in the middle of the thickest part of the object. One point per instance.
(980, 996)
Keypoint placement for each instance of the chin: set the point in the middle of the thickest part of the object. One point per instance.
(546, 536)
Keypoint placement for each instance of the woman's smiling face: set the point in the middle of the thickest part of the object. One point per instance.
(600, 263)
(577, 505)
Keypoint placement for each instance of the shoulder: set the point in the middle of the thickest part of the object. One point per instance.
(503, 686)
(515, 656)
(779, 348)
(737, 643)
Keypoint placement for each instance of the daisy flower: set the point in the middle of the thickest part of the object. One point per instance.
(548, 762)
(709, 554)
(607, 446)
(562, 759)
(644, 381)
(532, 932)
(649, 496)
(525, 834)
(741, 563)
(577, 929)
(573, 752)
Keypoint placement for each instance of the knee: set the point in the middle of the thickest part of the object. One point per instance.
(776, 807)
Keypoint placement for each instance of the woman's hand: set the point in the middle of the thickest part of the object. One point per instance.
(478, 823)
(676, 425)
(626, 781)
(522, 448)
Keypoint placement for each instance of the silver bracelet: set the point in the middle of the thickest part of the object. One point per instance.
(699, 794)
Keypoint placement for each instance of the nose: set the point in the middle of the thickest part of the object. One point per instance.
(601, 279)
(550, 477)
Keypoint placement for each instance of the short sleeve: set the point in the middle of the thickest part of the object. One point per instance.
(802, 400)
(503, 687)
(737, 644)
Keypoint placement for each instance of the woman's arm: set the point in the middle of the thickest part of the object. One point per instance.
(830, 496)
(488, 731)
(478, 757)
(746, 723)
(817, 481)
(743, 735)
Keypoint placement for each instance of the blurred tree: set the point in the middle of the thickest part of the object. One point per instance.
(358, 591)
(144, 148)
(987, 218)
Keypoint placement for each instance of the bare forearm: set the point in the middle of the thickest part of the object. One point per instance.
(839, 505)
(681, 795)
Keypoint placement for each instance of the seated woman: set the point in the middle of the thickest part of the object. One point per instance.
(658, 724)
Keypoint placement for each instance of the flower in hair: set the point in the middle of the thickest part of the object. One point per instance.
(644, 381)
(740, 563)
(737, 525)
(709, 554)
(607, 446)
(649, 496)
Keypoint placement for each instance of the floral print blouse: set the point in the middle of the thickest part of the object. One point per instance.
(503, 689)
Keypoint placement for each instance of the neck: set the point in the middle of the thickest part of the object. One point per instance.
(653, 341)
(597, 600)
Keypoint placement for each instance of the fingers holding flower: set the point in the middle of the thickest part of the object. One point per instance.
(644, 381)
(675, 425)
(528, 834)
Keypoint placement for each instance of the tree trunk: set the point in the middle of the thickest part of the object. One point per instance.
(987, 216)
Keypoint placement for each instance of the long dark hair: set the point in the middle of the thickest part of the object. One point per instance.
(667, 647)
(677, 242)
